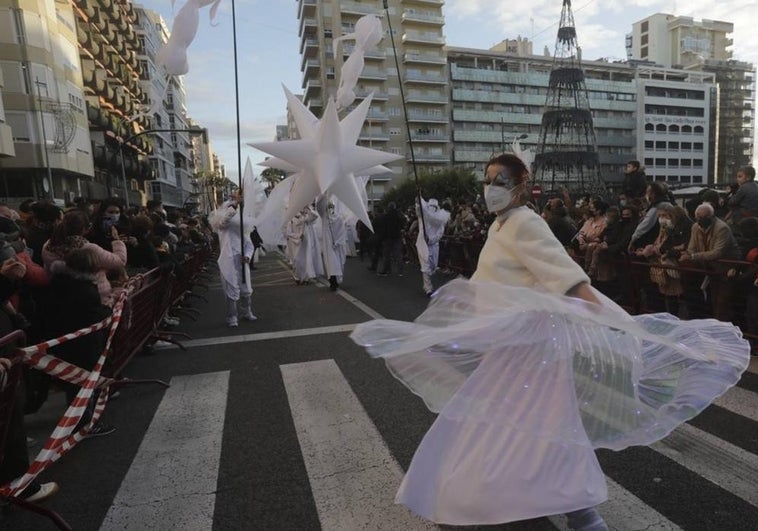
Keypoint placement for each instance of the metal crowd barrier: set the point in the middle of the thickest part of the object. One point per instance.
(635, 291)
(149, 298)
(9, 385)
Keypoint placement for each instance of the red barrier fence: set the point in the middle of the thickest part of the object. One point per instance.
(136, 321)
(634, 286)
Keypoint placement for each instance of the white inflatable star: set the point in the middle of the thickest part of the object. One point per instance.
(327, 153)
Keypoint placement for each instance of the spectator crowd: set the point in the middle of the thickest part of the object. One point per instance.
(63, 270)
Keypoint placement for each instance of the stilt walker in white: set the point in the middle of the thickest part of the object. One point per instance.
(428, 241)
(236, 250)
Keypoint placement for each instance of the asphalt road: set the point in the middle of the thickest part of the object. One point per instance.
(283, 423)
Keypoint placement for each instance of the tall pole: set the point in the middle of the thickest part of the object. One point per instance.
(407, 124)
(241, 204)
(46, 157)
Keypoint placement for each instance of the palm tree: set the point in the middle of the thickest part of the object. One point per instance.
(272, 176)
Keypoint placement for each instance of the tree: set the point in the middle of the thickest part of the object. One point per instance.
(457, 184)
(272, 176)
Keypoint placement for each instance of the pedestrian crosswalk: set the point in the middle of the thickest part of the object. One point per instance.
(353, 475)
(300, 429)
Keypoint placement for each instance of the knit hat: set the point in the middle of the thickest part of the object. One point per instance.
(6, 251)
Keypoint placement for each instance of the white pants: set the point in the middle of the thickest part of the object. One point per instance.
(243, 285)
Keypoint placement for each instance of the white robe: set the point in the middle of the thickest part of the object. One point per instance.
(294, 237)
(471, 472)
(308, 262)
(226, 222)
(434, 225)
(333, 242)
(528, 381)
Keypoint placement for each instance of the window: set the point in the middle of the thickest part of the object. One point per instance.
(643, 40)
(661, 128)
(673, 163)
(648, 162)
(660, 145)
(649, 144)
(686, 163)
(674, 146)
(673, 129)
(660, 163)
(697, 146)
(643, 52)
(19, 123)
(649, 127)
(644, 26)
(327, 34)
(697, 163)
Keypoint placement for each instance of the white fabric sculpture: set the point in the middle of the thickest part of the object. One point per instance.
(328, 156)
(367, 34)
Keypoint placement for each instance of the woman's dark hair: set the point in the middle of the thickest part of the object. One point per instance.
(659, 190)
(601, 207)
(634, 163)
(515, 166)
(74, 223)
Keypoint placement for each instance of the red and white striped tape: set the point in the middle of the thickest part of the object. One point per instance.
(63, 437)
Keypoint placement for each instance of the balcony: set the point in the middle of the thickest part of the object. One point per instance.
(373, 73)
(423, 18)
(312, 66)
(312, 88)
(371, 137)
(308, 46)
(430, 2)
(418, 136)
(379, 95)
(427, 117)
(429, 59)
(308, 26)
(354, 8)
(347, 49)
(425, 156)
(423, 37)
(420, 77)
(307, 7)
(417, 96)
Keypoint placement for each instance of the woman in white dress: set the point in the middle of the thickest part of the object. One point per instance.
(531, 369)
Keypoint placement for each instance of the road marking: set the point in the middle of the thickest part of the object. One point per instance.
(352, 474)
(740, 401)
(714, 459)
(172, 481)
(263, 336)
(625, 511)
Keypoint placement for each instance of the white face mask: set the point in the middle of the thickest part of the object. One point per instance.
(666, 223)
(497, 198)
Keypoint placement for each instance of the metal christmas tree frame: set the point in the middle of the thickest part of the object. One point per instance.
(567, 152)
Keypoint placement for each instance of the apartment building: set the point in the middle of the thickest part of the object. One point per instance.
(497, 97)
(49, 153)
(6, 135)
(705, 45)
(417, 29)
(677, 124)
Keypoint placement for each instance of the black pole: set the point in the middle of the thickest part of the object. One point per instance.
(407, 125)
(240, 204)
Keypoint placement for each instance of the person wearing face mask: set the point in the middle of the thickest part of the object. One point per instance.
(428, 239)
(235, 253)
(333, 241)
(711, 240)
(523, 364)
(106, 218)
(673, 237)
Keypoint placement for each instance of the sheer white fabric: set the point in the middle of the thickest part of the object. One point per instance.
(635, 379)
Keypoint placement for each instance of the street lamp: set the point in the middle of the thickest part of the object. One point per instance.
(46, 189)
(191, 130)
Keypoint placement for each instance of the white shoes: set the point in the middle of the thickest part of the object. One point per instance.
(231, 322)
(248, 316)
(45, 491)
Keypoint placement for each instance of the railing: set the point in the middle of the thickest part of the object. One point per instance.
(634, 285)
(135, 322)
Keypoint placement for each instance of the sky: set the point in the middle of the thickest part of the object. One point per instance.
(268, 51)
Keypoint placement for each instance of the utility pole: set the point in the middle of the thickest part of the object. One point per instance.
(47, 189)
